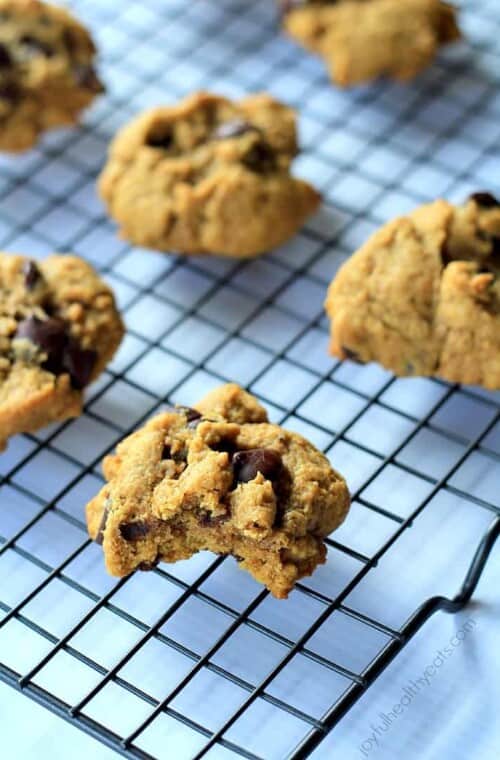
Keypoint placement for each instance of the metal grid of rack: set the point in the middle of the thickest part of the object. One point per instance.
(145, 653)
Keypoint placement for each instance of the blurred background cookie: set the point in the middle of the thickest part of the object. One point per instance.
(58, 329)
(422, 296)
(361, 40)
(208, 175)
(47, 73)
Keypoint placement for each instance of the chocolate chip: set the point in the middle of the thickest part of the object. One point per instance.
(100, 533)
(351, 355)
(9, 91)
(69, 41)
(32, 47)
(485, 200)
(260, 158)
(226, 445)
(5, 57)
(49, 335)
(133, 531)
(64, 354)
(31, 274)
(192, 415)
(246, 464)
(234, 128)
(79, 362)
(86, 77)
(167, 452)
(147, 567)
(161, 140)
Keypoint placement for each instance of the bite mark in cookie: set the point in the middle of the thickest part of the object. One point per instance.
(242, 487)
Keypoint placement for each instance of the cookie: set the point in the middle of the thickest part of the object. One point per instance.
(361, 40)
(47, 74)
(218, 477)
(422, 296)
(58, 329)
(208, 176)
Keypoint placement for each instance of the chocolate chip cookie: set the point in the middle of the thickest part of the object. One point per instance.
(208, 176)
(218, 477)
(58, 329)
(361, 40)
(47, 74)
(422, 296)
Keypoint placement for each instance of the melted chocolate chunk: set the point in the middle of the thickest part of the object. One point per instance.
(49, 335)
(9, 91)
(246, 465)
(32, 47)
(162, 141)
(234, 128)
(5, 58)
(485, 200)
(86, 77)
(192, 415)
(69, 40)
(31, 274)
(79, 362)
(133, 531)
(64, 354)
(167, 452)
(225, 444)
(260, 158)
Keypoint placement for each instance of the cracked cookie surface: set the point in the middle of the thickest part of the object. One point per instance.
(422, 296)
(58, 329)
(208, 175)
(218, 477)
(46, 71)
(361, 40)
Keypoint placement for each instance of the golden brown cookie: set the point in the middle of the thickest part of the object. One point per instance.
(58, 329)
(47, 74)
(422, 296)
(218, 477)
(208, 176)
(361, 40)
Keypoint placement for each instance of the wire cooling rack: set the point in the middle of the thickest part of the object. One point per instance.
(196, 660)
